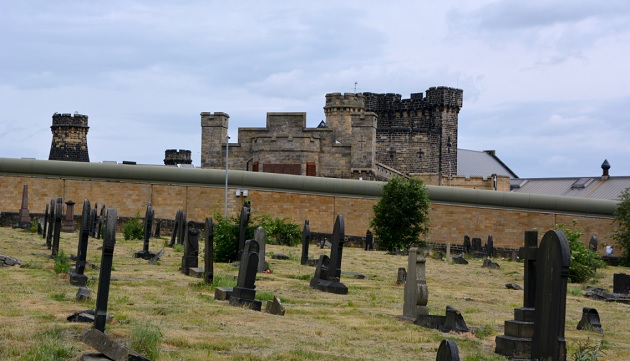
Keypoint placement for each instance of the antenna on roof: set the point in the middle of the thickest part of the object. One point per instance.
(355, 86)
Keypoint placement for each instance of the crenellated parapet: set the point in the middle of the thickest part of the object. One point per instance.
(445, 96)
(175, 157)
(69, 140)
(69, 120)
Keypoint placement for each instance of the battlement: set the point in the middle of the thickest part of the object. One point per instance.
(449, 97)
(217, 119)
(353, 101)
(69, 120)
(174, 157)
(435, 96)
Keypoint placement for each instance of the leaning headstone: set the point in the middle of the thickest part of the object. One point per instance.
(451, 321)
(68, 221)
(148, 226)
(51, 223)
(24, 218)
(242, 228)
(592, 244)
(46, 222)
(416, 290)
(56, 228)
(104, 344)
(175, 228)
(190, 259)
(590, 320)
(402, 276)
(244, 293)
(447, 351)
(369, 241)
(275, 307)
(552, 273)
(208, 256)
(306, 239)
(107, 257)
(260, 237)
(77, 276)
(621, 283)
(157, 257)
(328, 272)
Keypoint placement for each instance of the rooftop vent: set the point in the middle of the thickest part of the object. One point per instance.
(605, 168)
(581, 183)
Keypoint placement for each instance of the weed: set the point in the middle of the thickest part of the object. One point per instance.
(264, 296)
(587, 351)
(484, 331)
(178, 248)
(61, 263)
(58, 296)
(223, 281)
(574, 291)
(145, 339)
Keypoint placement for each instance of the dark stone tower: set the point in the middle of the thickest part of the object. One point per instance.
(69, 140)
(175, 157)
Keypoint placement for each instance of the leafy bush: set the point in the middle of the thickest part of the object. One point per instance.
(280, 230)
(622, 234)
(402, 214)
(225, 238)
(34, 225)
(146, 339)
(584, 262)
(134, 229)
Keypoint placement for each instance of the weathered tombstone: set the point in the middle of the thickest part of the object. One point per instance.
(448, 252)
(175, 228)
(158, 230)
(57, 228)
(260, 237)
(306, 239)
(490, 247)
(181, 230)
(451, 321)
(77, 276)
(328, 271)
(83, 294)
(476, 244)
(369, 241)
(24, 218)
(621, 283)
(148, 226)
(439, 255)
(244, 293)
(459, 259)
(68, 221)
(416, 290)
(514, 256)
(402, 276)
(592, 244)
(46, 221)
(552, 263)
(447, 351)
(104, 278)
(208, 258)
(242, 228)
(101, 220)
(51, 223)
(590, 320)
(93, 221)
(190, 259)
(274, 307)
(487, 263)
(467, 244)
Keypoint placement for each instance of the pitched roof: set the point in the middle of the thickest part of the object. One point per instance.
(481, 163)
(598, 187)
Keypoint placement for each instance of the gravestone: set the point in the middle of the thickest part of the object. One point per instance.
(328, 272)
(242, 228)
(439, 256)
(621, 283)
(208, 257)
(552, 272)
(77, 276)
(260, 237)
(274, 307)
(181, 230)
(592, 244)
(447, 351)
(56, 228)
(476, 244)
(467, 244)
(306, 239)
(46, 221)
(369, 241)
(490, 247)
(158, 228)
(451, 321)
(459, 259)
(402, 276)
(590, 320)
(104, 278)
(416, 290)
(24, 218)
(488, 263)
(190, 259)
(175, 232)
(244, 293)
(93, 220)
(448, 252)
(51, 223)
(101, 221)
(148, 226)
(68, 221)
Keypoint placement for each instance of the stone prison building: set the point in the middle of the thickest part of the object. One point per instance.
(365, 136)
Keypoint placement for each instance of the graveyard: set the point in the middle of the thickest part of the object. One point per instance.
(365, 323)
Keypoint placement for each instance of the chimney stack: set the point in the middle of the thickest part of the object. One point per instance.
(605, 168)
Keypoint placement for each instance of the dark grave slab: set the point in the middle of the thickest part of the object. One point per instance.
(93, 221)
(105, 344)
(306, 240)
(175, 228)
(223, 293)
(148, 226)
(244, 293)
(467, 244)
(83, 294)
(451, 321)
(280, 256)
(447, 351)
(158, 228)
(56, 228)
(476, 244)
(513, 286)
(46, 221)
(621, 283)
(181, 229)
(488, 263)
(401, 276)
(99, 223)
(601, 295)
(208, 257)
(369, 240)
(77, 275)
(51, 221)
(590, 320)
(195, 272)
(328, 271)
(459, 259)
(87, 316)
(190, 259)
(107, 257)
(490, 247)
(157, 257)
(275, 307)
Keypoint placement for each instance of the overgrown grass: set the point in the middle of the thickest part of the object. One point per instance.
(50, 346)
(146, 339)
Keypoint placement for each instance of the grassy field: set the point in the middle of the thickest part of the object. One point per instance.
(362, 325)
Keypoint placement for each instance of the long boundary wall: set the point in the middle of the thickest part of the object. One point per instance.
(201, 193)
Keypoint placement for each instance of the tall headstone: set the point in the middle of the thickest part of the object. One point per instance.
(490, 247)
(242, 228)
(448, 252)
(190, 259)
(181, 230)
(57, 227)
(447, 351)
(101, 220)
(552, 273)
(175, 232)
(46, 221)
(158, 228)
(208, 251)
(68, 221)
(244, 293)
(51, 223)
(260, 237)
(306, 239)
(148, 226)
(369, 240)
(93, 220)
(77, 276)
(104, 278)
(467, 244)
(24, 218)
(476, 244)
(328, 272)
(416, 290)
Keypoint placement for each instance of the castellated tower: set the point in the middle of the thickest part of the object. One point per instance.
(338, 110)
(69, 140)
(175, 157)
(214, 132)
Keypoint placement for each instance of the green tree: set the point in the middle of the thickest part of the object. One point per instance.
(622, 234)
(402, 214)
(584, 262)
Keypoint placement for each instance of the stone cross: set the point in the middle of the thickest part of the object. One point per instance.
(260, 237)
(244, 293)
(208, 251)
(552, 273)
(190, 259)
(46, 221)
(57, 227)
(416, 290)
(51, 222)
(24, 218)
(104, 278)
(148, 226)
(242, 228)
(78, 278)
(306, 239)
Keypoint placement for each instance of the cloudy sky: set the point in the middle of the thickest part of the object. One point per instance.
(546, 83)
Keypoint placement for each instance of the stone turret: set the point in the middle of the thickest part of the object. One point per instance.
(339, 110)
(175, 157)
(214, 132)
(69, 140)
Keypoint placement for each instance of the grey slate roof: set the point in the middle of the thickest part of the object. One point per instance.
(481, 163)
(597, 187)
